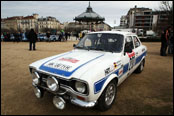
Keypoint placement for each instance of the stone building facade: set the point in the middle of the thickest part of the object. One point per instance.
(20, 23)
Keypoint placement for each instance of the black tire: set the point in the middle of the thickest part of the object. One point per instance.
(102, 104)
(140, 67)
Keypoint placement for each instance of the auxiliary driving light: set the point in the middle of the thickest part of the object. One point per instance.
(36, 78)
(52, 84)
(37, 92)
(59, 102)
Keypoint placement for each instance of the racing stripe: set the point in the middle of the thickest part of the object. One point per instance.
(62, 72)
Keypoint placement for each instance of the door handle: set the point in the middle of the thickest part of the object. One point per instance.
(136, 53)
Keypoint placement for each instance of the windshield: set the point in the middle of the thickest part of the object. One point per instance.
(102, 41)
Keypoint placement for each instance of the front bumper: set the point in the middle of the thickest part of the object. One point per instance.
(66, 92)
(83, 103)
(68, 95)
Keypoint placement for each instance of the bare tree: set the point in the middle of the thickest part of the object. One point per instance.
(166, 6)
(165, 16)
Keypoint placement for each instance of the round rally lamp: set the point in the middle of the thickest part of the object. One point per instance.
(37, 92)
(35, 77)
(59, 102)
(52, 84)
(80, 87)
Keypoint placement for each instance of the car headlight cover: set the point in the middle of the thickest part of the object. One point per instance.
(80, 87)
(36, 77)
(52, 83)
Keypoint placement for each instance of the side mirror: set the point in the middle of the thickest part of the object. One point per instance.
(129, 50)
(74, 45)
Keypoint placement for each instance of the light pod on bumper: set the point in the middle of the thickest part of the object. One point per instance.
(52, 83)
(59, 102)
(37, 92)
(35, 77)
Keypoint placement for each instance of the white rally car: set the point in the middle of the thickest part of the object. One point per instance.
(89, 75)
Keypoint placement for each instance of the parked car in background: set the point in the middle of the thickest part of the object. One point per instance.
(42, 37)
(24, 38)
(54, 38)
(88, 76)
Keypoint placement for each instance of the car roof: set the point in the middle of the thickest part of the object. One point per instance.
(115, 32)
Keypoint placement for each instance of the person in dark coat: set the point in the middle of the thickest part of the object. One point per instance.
(16, 37)
(69, 34)
(164, 42)
(170, 49)
(66, 36)
(8, 36)
(48, 36)
(83, 34)
(32, 36)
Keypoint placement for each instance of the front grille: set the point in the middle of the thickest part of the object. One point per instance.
(70, 83)
(61, 81)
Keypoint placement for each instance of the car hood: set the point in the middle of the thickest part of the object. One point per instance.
(71, 64)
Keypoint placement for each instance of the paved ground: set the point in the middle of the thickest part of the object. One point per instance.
(150, 92)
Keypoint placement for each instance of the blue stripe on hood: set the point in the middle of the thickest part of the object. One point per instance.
(62, 72)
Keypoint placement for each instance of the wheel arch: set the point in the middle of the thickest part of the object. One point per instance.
(109, 79)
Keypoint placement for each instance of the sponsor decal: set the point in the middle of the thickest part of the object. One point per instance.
(68, 59)
(58, 66)
(120, 72)
(143, 49)
(110, 69)
(118, 63)
(107, 71)
(62, 69)
(115, 64)
(132, 59)
(131, 54)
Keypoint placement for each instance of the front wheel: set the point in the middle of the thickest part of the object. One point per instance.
(108, 96)
(140, 67)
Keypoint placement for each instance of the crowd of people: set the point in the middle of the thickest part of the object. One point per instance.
(23, 36)
(15, 37)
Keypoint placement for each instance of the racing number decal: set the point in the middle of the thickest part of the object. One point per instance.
(132, 59)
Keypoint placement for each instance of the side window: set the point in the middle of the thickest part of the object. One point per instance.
(136, 41)
(129, 44)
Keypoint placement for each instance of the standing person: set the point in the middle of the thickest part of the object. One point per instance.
(83, 34)
(8, 36)
(66, 36)
(60, 37)
(164, 42)
(80, 35)
(2, 37)
(69, 34)
(77, 36)
(15, 36)
(48, 35)
(170, 49)
(63, 35)
(32, 36)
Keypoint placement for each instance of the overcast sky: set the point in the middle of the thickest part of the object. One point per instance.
(65, 11)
